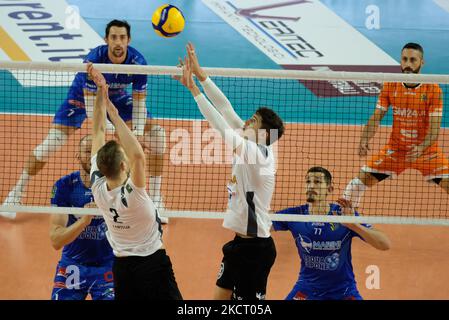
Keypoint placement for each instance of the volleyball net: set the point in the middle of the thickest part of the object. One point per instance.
(324, 113)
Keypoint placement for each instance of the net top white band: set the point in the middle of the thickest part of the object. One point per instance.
(220, 215)
(232, 72)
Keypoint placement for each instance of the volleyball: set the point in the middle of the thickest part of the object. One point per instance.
(168, 21)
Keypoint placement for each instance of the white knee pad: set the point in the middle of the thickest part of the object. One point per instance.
(55, 139)
(354, 191)
(89, 102)
(156, 139)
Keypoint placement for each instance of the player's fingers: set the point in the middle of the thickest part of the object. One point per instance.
(344, 202)
(183, 68)
(188, 67)
(340, 203)
(189, 63)
(190, 48)
(191, 53)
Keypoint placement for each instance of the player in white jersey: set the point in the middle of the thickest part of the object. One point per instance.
(142, 269)
(249, 257)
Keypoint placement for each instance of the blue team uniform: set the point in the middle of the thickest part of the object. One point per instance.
(72, 112)
(325, 252)
(86, 263)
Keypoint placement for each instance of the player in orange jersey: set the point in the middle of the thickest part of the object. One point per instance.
(417, 113)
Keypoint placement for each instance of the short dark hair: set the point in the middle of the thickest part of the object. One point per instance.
(109, 158)
(119, 24)
(271, 121)
(414, 46)
(327, 174)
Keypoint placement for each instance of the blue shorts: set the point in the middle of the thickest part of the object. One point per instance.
(72, 112)
(75, 282)
(304, 294)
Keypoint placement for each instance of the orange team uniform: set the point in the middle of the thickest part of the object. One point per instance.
(412, 109)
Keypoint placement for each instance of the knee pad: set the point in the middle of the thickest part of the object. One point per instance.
(55, 139)
(380, 176)
(89, 102)
(354, 191)
(156, 139)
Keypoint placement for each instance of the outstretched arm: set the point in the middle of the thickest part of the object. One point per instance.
(214, 118)
(99, 112)
(61, 235)
(131, 146)
(216, 96)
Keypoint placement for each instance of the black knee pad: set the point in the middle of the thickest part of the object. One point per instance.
(380, 176)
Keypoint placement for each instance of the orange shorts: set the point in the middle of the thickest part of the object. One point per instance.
(432, 164)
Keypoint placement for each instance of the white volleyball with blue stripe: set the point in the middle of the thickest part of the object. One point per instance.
(168, 21)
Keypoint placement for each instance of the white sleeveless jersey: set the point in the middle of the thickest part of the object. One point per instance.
(250, 191)
(134, 228)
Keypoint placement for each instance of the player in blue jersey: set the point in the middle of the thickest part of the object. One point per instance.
(325, 248)
(86, 262)
(79, 105)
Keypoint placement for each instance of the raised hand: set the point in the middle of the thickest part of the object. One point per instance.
(187, 75)
(195, 66)
(96, 76)
(347, 209)
(346, 205)
(180, 65)
(186, 79)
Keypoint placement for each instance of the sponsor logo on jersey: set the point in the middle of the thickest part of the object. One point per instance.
(94, 232)
(406, 112)
(326, 245)
(334, 226)
(53, 191)
(328, 263)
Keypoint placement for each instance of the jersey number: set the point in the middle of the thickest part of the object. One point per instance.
(115, 213)
(318, 231)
